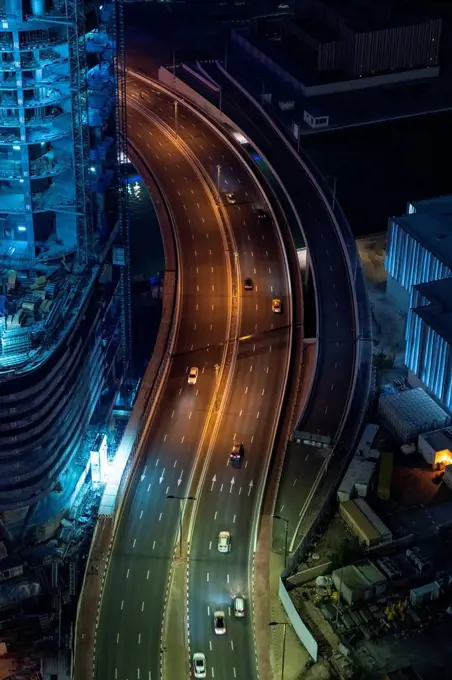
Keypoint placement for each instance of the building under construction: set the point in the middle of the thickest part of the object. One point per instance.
(64, 253)
(64, 303)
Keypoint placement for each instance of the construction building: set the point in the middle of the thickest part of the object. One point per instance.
(64, 251)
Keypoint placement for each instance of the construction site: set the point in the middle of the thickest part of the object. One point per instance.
(65, 311)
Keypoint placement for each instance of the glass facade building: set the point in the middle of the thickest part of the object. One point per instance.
(64, 287)
(429, 338)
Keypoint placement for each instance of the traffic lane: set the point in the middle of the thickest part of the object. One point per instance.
(227, 504)
(210, 148)
(335, 299)
(203, 261)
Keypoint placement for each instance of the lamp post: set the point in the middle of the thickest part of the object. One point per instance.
(176, 103)
(286, 535)
(219, 182)
(180, 499)
(284, 625)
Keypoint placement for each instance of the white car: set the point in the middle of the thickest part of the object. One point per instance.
(199, 665)
(219, 624)
(231, 198)
(224, 542)
(193, 376)
(239, 607)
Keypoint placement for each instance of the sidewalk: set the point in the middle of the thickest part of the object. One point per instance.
(269, 608)
(89, 603)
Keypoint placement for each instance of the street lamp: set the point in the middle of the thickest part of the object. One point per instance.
(284, 625)
(180, 499)
(175, 117)
(219, 182)
(286, 534)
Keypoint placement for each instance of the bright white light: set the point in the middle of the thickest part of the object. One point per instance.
(92, 169)
(21, 228)
(16, 147)
(240, 138)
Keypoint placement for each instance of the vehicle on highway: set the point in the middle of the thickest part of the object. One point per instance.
(199, 665)
(231, 198)
(276, 306)
(236, 455)
(193, 376)
(219, 624)
(224, 542)
(239, 607)
(249, 284)
(260, 213)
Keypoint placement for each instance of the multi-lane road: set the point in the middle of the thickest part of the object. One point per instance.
(131, 616)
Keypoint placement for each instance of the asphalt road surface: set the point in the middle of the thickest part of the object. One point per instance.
(336, 322)
(128, 641)
(229, 496)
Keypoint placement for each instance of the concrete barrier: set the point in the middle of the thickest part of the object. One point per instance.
(304, 634)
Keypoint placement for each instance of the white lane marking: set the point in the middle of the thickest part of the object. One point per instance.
(149, 487)
(208, 577)
(208, 610)
(210, 645)
(122, 605)
(221, 488)
(240, 491)
(189, 416)
(175, 463)
(213, 672)
(116, 673)
(160, 516)
(251, 368)
(172, 415)
(142, 606)
(153, 546)
(252, 437)
(241, 411)
(134, 542)
(147, 576)
(141, 514)
(182, 440)
(232, 645)
(295, 481)
(117, 638)
(254, 348)
(138, 673)
(235, 672)
(233, 519)
(128, 572)
(227, 578)
(210, 548)
(263, 391)
(162, 475)
(215, 516)
(157, 462)
(258, 414)
(167, 489)
(246, 389)
(139, 638)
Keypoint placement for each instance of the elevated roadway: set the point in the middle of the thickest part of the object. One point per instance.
(228, 498)
(128, 641)
(339, 361)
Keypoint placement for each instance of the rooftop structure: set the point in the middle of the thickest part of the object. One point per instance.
(64, 284)
(411, 412)
(419, 248)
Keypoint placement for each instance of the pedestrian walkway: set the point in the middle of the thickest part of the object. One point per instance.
(268, 607)
(89, 603)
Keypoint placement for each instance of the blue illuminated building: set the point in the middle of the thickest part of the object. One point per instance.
(429, 338)
(419, 267)
(64, 255)
(419, 248)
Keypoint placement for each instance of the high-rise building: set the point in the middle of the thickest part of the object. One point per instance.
(64, 255)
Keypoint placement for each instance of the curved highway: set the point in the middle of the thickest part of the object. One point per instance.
(228, 498)
(132, 605)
